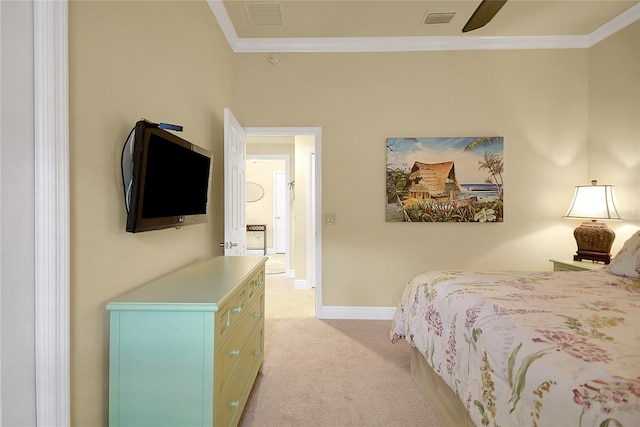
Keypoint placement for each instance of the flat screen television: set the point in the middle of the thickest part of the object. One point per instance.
(165, 179)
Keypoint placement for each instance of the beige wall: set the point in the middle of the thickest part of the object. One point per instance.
(164, 61)
(536, 99)
(614, 120)
(174, 65)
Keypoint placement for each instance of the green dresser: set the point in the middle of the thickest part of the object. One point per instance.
(185, 349)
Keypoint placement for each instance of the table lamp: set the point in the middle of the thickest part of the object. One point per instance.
(594, 239)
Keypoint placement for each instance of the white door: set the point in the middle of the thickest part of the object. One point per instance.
(280, 213)
(235, 229)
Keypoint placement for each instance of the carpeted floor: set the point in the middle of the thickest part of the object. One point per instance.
(329, 373)
(334, 373)
(275, 264)
(283, 300)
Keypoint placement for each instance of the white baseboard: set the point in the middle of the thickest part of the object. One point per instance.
(255, 252)
(301, 284)
(356, 313)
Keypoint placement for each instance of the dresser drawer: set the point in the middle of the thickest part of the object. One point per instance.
(256, 284)
(231, 311)
(234, 348)
(234, 397)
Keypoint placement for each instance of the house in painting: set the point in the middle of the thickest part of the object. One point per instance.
(436, 182)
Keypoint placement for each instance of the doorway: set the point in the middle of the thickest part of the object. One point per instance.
(267, 203)
(306, 171)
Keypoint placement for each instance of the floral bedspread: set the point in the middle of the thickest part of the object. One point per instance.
(530, 348)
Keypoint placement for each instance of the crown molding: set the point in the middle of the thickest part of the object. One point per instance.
(621, 21)
(406, 44)
(414, 44)
(224, 21)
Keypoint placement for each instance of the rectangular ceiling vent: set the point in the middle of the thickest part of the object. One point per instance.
(264, 14)
(438, 17)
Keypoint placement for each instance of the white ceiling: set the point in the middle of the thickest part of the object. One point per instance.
(388, 25)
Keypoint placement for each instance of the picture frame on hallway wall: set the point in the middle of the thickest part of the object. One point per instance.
(445, 179)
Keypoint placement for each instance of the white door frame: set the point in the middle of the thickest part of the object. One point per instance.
(280, 178)
(317, 133)
(51, 216)
(287, 174)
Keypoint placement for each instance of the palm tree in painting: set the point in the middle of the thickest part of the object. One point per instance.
(490, 161)
(482, 141)
(493, 163)
(396, 180)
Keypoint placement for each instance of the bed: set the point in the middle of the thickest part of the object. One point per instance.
(527, 348)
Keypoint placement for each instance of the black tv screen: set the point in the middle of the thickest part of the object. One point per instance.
(166, 179)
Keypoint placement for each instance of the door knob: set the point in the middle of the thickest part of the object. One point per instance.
(228, 245)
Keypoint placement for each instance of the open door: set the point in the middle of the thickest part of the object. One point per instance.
(235, 229)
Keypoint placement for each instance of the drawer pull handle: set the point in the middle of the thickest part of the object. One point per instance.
(234, 404)
(257, 315)
(233, 353)
(236, 309)
(257, 353)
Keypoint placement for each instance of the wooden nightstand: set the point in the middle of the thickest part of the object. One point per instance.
(559, 265)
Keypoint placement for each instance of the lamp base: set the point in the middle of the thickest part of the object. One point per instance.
(594, 240)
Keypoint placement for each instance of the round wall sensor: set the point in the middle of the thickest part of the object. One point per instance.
(274, 59)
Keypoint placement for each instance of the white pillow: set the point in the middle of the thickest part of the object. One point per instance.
(627, 261)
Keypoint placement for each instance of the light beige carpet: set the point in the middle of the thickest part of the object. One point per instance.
(334, 373)
(275, 264)
(282, 300)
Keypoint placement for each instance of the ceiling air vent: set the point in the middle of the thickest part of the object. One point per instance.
(438, 18)
(264, 14)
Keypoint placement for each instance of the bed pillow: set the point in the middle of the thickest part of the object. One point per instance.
(627, 261)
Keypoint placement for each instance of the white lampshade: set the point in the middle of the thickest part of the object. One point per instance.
(593, 202)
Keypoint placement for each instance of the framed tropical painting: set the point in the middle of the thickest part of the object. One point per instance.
(452, 179)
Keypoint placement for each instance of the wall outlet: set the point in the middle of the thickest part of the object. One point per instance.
(330, 219)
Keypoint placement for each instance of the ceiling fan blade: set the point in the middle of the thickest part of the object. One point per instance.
(483, 14)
